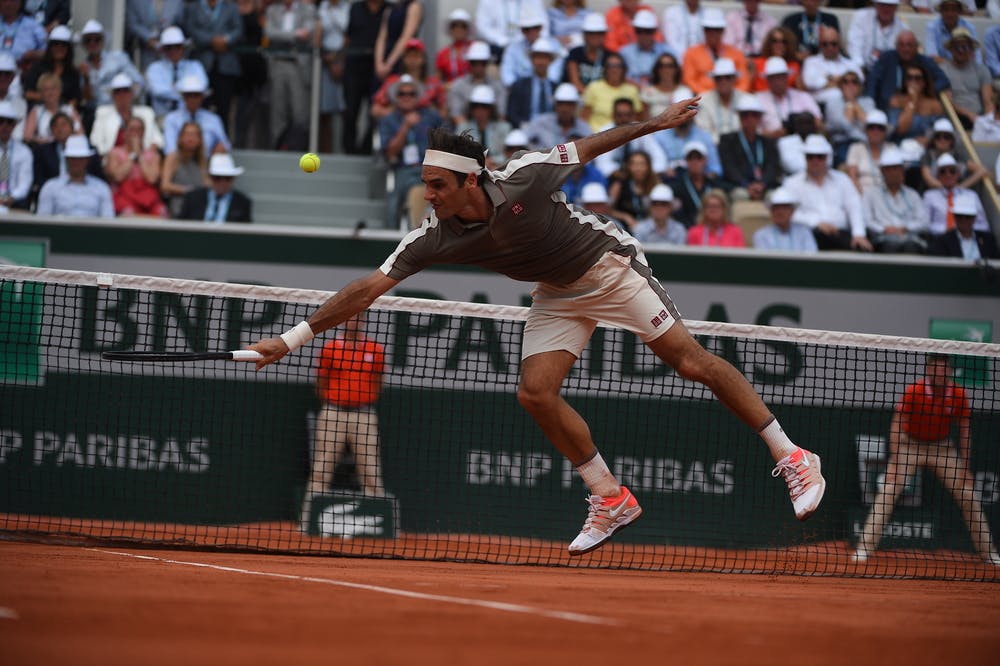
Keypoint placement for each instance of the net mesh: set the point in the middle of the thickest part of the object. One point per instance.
(413, 444)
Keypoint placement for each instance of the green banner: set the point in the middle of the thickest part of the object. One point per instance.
(196, 451)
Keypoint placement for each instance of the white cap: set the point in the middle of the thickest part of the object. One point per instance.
(7, 62)
(749, 104)
(943, 161)
(566, 92)
(877, 117)
(775, 65)
(531, 20)
(61, 33)
(594, 22)
(816, 144)
(661, 193)
(515, 139)
(192, 83)
(593, 193)
(645, 20)
(8, 110)
(944, 126)
(891, 157)
(92, 27)
(965, 204)
(171, 36)
(78, 146)
(783, 197)
(459, 16)
(121, 80)
(886, 2)
(724, 67)
(482, 95)
(478, 51)
(222, 164)
(694, 147)
(713, 18)
(545, 45)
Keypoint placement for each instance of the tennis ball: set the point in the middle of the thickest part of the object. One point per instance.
(309, 162)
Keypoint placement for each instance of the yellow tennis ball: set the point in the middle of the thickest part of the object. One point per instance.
(309, 162)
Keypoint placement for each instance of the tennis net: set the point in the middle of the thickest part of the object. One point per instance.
(414, 444)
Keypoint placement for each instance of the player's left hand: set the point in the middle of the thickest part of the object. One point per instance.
(679, 113)
(272, 349)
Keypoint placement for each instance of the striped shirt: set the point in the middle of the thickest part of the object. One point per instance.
(533, 234)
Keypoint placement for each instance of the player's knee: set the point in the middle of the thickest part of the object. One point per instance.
(535, 398)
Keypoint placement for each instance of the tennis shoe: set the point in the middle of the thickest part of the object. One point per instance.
(605, 516)
(860, 556)
(994, 559)
(806, 485)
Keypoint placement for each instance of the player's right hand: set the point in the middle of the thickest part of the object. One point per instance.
(272, 349)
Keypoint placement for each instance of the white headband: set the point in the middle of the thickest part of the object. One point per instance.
(452, 162)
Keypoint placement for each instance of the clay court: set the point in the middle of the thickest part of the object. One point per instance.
(111, 605)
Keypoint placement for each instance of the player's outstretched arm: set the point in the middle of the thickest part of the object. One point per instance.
(352, 299)
(674, 115)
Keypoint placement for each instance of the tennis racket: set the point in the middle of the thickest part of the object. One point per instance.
(181, 357)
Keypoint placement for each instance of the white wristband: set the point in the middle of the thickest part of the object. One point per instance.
(298, 336)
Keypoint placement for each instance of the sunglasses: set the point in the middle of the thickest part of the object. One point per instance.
(406, 93)
(221, 177)
(961, 48)
(644, 31)
(93, 38)
(947, 170)
(694, 156)
(853, 82)
(815, 157)
(829, 43)
(7, 121)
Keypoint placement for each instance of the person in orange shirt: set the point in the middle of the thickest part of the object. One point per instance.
(620, 29)
(700, 58)
(920, 436)
(348, 382)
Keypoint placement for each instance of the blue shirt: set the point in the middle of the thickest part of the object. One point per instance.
(23, 35)
(544, 131)
(674, 233)
(217, 208)
(991, 47)
(113, 63)
(516, 64)
(798, 238)
(162, 77)
(91, 198)
(640, 63)
(573, 186)
(673, 145)
(212, 131)
(390, 124)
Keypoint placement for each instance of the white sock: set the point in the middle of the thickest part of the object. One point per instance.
(598, 477)
(777, 440)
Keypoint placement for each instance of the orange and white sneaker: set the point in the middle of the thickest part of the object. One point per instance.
(606, 516)
(806, 484)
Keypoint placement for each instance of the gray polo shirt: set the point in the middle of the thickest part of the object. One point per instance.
(533, 235)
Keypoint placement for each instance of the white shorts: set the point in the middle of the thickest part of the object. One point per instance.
(618, 290)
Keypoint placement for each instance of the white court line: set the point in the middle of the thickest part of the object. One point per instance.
(8, 613)
(481, 603)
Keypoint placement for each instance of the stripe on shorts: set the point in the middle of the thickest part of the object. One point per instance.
(646, 273)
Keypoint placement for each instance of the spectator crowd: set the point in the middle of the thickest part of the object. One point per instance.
(811, 135)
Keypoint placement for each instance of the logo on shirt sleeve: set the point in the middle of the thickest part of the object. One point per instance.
(563, 155)
(659, 319)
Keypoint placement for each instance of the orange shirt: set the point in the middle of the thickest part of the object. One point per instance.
(698, 63)
(620, 30)
(350, 372)
(759, 82)
(929, 416)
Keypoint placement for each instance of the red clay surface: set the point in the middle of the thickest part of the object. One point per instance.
(79, 605)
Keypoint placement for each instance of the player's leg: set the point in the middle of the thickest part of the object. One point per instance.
(800, 468)
(900, 467)
(948, 466)
(547, 360)
(328, 441)
(366, 452)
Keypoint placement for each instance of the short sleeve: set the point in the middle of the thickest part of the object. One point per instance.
(544, 170)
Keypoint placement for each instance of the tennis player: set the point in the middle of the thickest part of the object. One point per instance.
(920, 436)
(517, 222)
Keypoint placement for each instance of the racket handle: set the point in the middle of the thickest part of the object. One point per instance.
(246, 355)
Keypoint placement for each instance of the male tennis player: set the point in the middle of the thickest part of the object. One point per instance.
(517, 222)
(920, 436)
